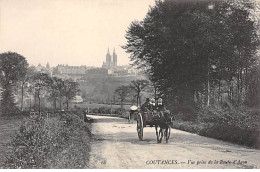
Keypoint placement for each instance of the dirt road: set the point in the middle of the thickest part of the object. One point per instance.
(116, 145)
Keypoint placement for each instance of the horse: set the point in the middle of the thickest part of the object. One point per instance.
(163, 120)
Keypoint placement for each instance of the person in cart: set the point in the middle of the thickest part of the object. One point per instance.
(153, 104)
(147, 107)
(165, 112)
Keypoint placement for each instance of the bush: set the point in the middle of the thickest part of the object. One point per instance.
(60, 142)
(104, 110)
(225, 122)
(237, 125)
(184, 112)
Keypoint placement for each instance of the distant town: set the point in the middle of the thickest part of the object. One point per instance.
(77, 73)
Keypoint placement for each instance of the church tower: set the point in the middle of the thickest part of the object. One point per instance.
(114, 58)
(108, 59)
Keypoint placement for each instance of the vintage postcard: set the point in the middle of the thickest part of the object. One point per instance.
(129, 84)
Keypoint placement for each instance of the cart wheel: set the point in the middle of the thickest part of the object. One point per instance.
(168, 133)
(140, 126)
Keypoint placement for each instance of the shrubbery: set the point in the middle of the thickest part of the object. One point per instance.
(232, 124)
(58, 142)
(184, 112)
(226, 122)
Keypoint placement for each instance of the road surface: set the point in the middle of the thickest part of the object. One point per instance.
(116, 145)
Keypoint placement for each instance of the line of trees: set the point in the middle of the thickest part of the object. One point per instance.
(132, 91)
(15, 74)
(198, 52)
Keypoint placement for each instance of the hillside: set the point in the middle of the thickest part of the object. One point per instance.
(100, 88)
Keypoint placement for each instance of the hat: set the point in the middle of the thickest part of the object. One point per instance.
(133, 108)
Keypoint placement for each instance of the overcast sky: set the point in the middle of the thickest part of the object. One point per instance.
(73, 32)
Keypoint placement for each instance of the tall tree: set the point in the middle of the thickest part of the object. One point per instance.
(41, 85)
(138, 86)
(122, 91)
(13, 66)
(70, 88)
(187, 47)
(56, 91)
(26, 79)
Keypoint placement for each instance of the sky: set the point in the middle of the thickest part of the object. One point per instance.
(73, 32)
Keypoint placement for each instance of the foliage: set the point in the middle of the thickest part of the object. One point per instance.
(138, 86)
(56, 90)
(253, 93)
(189, 47)
(51, 143)
(226, 122)
(41, 85)
(13, 66)
(122, 91)
(69, 90)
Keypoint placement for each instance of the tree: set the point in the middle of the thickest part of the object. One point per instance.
(189, 47)
(122, 91)
(56, 91)
(13, 66)
(41, 84)
(138, 86)
(253, 91)
(70, 88)
(27, 77)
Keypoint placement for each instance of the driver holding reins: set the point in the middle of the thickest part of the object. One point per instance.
(161, 108)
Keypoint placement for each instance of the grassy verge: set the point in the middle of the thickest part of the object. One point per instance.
(56, 142)
(8, 126)
(192, 127)
(227, 132)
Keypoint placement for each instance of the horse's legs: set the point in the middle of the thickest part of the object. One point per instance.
(160, 134)
(166, 134)
(157, 136)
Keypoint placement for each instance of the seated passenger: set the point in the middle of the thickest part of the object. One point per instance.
(161, 108)
(152, 104)
(146, 106)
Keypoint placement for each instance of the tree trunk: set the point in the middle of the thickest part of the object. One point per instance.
(54, 103)
(111, 106)
(219, 94)
(155, 92)
(30, 103)
(137, 99)
(22, 96)
(39, 102)
(208, 92)
(60, 103)
(67, 101)
(208, 87)
(121, 105)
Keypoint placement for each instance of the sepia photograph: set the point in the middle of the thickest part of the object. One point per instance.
(129, 84)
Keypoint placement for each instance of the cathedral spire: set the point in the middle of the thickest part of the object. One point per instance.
(108, 59)
(114, 58)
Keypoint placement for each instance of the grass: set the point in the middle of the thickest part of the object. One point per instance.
(230, 132)
(47, 142)
(8, 126)
(98, 105)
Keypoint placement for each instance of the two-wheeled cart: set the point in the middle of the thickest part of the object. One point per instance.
(156, 119)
